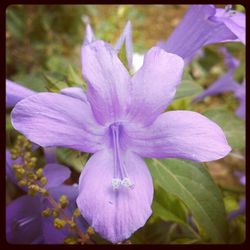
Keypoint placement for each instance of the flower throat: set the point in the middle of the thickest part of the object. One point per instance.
(120, 178)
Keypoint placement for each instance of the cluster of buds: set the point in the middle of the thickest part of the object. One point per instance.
(34, 181)
(25, 171)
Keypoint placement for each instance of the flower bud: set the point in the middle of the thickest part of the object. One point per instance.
(70, 240)
(63, 201)
(76, 213)
(43, 181)
(58, 223)
(46, 212)
(90, 231)
(39, 173)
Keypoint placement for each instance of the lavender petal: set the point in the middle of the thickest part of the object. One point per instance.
(107, 81)
(154, 85)
(115, 214)
(179, 134)
(51, 120)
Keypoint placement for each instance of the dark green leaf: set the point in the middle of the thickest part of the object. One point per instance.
(233, 126)
(168, 207)
(194, 186)
(72, 158)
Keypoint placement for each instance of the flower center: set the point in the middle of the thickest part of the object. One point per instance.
(120, 178)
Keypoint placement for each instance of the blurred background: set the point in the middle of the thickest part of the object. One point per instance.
(44, 40)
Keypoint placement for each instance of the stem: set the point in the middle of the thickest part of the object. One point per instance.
(84, 237)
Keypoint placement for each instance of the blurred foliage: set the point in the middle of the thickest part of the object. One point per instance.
(43, 53)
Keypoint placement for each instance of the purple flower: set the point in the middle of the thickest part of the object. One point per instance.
(235, 21)
(24, 222)
(242, 204)
(224, 83)
(241, 176)
(231, 62)
(240, 94)
(15, 93)
(120, 121)
(203, 25)
(240, 211)
(227, 83)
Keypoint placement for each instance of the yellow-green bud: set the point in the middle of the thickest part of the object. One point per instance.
(76, 213)
(72, 224)
(90, 231)
(16, 166)
(46, 212)
(63, 201)
(22, 183)
(58, 223)
(43, 181)
(20, 138)
(34, 187)
(55, 214)
(39, 173)
(43, 191)
(33, 160)
(29, 145)
(27, 155)
(31, 176)
(20, 171)
(70, 240)
(31, 192)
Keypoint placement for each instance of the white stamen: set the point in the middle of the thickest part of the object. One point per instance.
(116, 182)
(126, 182)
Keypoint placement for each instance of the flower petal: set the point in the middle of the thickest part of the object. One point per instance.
(234, 21)
(180, 134)
(56, 174)
(23, 221)
(15, 93)
(89, 35)
(126, 37)
(50, 154)
(51, 119)
(115, 214)
(223, 84)
(107, 81)
(240, 94)
(241, 110)
(231, 62)
(197, 29)
(75, 92)
(154, 85)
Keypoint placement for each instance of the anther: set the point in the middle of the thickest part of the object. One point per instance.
(127, 183)
(116, 182)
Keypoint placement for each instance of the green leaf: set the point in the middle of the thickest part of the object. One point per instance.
(233, 127)
(74, 78)
(187, 88)
(72, 158)
(168, 207)
(152, 233)
(56, 82)
(193, 185)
